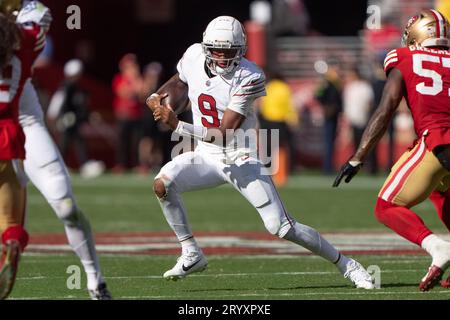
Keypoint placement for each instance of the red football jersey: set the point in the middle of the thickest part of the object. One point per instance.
(426, 73)
(12, 80)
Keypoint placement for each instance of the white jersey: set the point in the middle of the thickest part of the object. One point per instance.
(210, 97)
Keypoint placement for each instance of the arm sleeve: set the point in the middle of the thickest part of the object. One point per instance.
(245, 93)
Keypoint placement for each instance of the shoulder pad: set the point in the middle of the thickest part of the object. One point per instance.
(251, 82)
(393, 59)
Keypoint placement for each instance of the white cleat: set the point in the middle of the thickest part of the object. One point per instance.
(440, 263)
(187, 264)
(441, 255)
(100, 293)
(358, 275)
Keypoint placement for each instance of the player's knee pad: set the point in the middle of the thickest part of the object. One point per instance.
(270, 217)
(382, 209)
(273, 225)
(276, 221)
(66, 210)
(51, 179)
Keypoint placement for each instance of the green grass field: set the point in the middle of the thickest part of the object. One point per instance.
(126, 204)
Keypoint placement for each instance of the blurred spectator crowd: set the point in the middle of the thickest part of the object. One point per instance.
(139, 144)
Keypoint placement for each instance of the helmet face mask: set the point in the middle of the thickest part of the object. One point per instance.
(428, 28)
(221, 61)
(224, 44)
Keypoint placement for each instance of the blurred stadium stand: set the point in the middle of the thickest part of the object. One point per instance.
(297, 56)
(300, 58)
(123, 28)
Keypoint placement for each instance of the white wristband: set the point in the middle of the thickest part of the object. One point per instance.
(189, 130)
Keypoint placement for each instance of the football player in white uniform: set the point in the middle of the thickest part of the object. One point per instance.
(222, 85)
(45, 168)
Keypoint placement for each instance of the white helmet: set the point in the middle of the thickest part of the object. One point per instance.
(224, 32)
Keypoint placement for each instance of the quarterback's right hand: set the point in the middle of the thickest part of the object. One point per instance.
(154, 101)
(349, 170)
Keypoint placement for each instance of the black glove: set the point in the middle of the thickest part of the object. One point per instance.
(349, 170)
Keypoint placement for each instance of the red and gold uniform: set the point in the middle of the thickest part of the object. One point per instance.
(12, 138)
(426, 74)
(424, 171)
(420, 73)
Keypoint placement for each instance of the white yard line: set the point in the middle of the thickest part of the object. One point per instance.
(221, 275)
(358, 292)
(46, 298)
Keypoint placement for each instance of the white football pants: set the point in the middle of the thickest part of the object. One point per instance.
(45, 168)
(198, 170)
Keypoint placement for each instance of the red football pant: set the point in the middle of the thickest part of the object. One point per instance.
(441, 201)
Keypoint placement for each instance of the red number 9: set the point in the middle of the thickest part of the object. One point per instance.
(207, 106)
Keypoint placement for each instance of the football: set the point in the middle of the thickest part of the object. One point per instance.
(177, 92)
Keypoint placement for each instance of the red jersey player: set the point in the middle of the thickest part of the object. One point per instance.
(20, 44)
(419, 72)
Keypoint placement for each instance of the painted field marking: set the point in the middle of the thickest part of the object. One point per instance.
(220, 275)
(231, 243)
(358, 292)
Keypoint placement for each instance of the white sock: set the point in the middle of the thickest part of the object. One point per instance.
(310, 239)
(438, 249)
(94, 278)
(430, 242)
(341, 264)
(80, 238)
(176, 217)
(189, 245)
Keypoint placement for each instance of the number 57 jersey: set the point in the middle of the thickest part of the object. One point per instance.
(210, 97)
(426, 74)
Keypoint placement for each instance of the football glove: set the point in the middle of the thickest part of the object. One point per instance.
(348, 170)
(35, 12)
